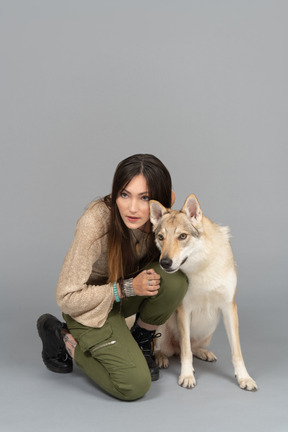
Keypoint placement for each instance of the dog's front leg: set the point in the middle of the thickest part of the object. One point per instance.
(186, 378)
(230, 318)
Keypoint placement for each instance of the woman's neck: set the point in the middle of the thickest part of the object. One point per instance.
(146, 228)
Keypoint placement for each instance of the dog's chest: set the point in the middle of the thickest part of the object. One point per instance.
(210, 288)
(204, 299)
(202, 302)
(203, 310)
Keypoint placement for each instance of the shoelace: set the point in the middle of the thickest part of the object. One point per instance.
(150, 339)
(62, 354)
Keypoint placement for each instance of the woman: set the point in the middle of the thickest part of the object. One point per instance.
(111, 272)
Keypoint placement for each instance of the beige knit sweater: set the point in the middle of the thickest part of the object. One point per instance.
(82, 289)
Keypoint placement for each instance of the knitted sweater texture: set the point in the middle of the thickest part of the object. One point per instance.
(82, 290)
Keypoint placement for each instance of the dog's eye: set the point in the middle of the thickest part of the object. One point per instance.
(182, 236)
(160, 237)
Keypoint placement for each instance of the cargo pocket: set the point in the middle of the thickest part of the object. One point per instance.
(94, 338)
(102, 345)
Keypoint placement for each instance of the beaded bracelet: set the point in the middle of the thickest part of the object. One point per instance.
(127, 287)
(116, 292)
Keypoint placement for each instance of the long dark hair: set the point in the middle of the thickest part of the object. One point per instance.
(121, 256)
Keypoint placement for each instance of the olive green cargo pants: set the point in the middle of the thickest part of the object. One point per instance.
(109, 355)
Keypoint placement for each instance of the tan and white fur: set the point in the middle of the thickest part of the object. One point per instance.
(201, 249)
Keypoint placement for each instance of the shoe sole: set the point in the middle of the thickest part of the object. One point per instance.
(154, 377)
(58, 370)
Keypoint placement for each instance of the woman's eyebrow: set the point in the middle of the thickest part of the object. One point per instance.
(140, 194)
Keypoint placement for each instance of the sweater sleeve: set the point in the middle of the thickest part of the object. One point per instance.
(87, 304)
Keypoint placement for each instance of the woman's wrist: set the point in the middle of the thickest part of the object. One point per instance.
(126, 288)
(120, 293)
(123, 289)
(116, 294)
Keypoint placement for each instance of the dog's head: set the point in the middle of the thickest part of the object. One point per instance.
(177, 232)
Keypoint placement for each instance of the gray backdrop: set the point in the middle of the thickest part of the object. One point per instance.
(203, 86)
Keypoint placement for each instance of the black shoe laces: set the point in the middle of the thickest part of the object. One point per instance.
(62, 354)
(149, 339)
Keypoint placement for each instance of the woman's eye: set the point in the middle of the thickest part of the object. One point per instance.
(124, 195)
(145, 198)
(182, 236)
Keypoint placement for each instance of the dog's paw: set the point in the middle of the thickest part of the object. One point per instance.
(187, 381)
(204, 354)
(247, 383)
(161, 360)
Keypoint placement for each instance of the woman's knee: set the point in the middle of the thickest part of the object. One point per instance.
(157, 309)
(173, 286)
(123, 383)
(135, 386)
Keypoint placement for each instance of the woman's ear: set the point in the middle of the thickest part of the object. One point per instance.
(173, 198)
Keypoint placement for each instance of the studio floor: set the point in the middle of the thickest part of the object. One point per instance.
(33, 398)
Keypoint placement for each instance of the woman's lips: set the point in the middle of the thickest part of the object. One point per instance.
(132, 218)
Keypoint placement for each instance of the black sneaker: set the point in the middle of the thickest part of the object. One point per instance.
(54, 354)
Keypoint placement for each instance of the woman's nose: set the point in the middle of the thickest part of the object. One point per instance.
(133, 205)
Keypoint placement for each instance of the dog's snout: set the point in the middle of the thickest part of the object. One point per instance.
(166, 263)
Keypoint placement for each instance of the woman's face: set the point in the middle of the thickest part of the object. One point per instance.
(133, 204)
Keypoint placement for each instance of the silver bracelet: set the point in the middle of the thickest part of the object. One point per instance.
(128, 287)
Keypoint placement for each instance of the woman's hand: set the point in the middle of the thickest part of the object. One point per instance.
(147, 283)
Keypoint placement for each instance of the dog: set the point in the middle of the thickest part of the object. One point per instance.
(191, 242)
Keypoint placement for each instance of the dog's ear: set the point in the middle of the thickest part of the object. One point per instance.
(192, 208)
(173, 198)
(157, 210)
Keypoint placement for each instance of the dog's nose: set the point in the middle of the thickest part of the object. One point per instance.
(166, 263)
